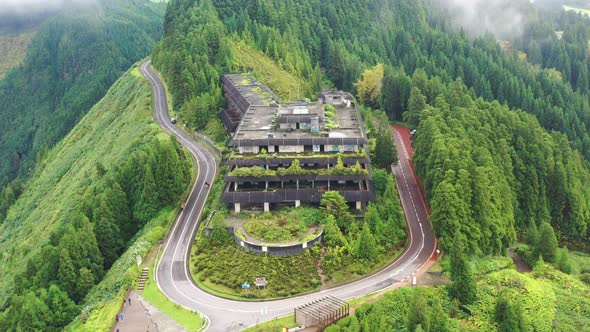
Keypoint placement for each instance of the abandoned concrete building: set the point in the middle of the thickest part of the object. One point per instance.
(292, 154)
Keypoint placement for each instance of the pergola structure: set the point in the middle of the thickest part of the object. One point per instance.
(322, 312)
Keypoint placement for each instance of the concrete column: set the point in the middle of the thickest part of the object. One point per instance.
(237, 207)
(266, 186)
(236, 186)
(328, 185)
(266, 206)
(359, 205)
(297, 203)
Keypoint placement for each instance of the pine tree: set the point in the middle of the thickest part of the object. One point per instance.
(6, 201)
(379, 181)
(62, 310)
(168, 174)
(416, 104)
(418, 313)
(372, 216)
(148, 204)
(333, 236)
(366, 248)
(334, 204)
(66, 274)
(385, 151)
(506, 316)
(562, 262)
(463, 285)
(547, 246)
(439, 318)
(86, 281)
(107, 232)
(218, 229)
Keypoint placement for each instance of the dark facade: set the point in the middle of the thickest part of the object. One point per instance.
(293, 153)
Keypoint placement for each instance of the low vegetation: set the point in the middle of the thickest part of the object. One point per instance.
(274, 325)
(544, 300)
(350, 248)
(283, 225)
(286, 85)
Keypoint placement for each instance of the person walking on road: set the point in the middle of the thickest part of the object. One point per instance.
(129, 301)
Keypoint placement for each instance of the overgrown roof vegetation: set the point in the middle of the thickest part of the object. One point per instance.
(296, 169)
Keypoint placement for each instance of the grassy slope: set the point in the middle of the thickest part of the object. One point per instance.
(13, 48)
(286, 86)
(106, 134)
(104, 300)
(190, 320)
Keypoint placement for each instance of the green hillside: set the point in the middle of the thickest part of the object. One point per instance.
(13, 48)
(85, 203)
(502, 141)
(544, 300)
(74, 57)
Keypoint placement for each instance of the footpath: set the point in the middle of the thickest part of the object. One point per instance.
(141, 316)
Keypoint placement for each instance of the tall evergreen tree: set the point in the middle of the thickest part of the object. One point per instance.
(385, 152)
(463, 285)
(506, 315)
(366, 248)
(547, 246)
(148, 204)
(416, 104)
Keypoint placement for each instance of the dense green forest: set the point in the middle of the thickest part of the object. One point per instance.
(344, 37)
(423, 57)
(83, 207)
(77, 53)
(489, 171)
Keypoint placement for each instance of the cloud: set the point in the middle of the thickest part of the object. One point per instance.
(503, 18)
(26, 6)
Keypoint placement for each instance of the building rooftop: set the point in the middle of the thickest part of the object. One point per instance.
(260, 122)
(255, 93)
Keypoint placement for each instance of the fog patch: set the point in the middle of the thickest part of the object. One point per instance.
(503, 18)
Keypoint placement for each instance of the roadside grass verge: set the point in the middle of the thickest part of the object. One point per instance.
(189, 319)
(275, 325)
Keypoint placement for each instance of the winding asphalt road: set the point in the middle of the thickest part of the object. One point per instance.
(172, 274)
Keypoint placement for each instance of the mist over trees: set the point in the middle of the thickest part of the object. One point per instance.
(73, 59)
